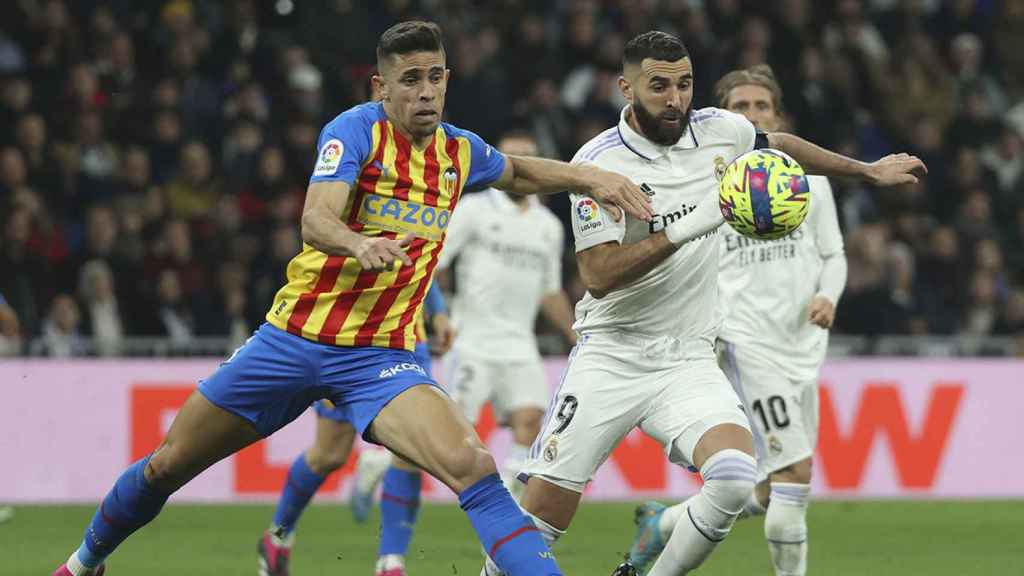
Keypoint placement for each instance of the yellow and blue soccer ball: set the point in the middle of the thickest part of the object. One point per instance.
(764, 194)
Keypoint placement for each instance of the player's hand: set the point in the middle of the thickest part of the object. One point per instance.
(617, 194)
(895, 169)
(822, 312)
(382, 253)
(444, 333)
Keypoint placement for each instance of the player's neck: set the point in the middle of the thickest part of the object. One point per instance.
(419, 142)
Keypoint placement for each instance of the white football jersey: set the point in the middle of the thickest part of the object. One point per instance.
(508, 260)
(678, 297)
(767, 286)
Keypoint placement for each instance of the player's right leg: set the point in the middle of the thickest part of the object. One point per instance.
(262, 387)
(331, 448)
(399, 510)
(520, 396)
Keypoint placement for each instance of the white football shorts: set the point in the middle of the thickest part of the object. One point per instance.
(783, 412)
(613, 383)
(507, 385)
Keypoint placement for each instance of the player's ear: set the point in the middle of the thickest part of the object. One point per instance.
(626, 88)
(380, 88)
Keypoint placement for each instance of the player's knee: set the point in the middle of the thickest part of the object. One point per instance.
(526, 425)
(165, 470)
(729, 479)
(796, 473)
(468, 464)
(323, 462)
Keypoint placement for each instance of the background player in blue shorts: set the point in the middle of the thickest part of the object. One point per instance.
(387, 177)
(335, 437)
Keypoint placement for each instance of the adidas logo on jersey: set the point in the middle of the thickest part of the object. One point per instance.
(647, 189)
(403, 367)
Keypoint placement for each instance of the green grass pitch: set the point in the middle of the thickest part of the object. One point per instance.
(864, 538)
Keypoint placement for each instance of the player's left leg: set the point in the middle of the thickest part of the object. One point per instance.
(701, 423)
(330, 450)
(519, 399)
(785, 524)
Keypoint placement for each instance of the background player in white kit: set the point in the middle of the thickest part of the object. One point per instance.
(506, 254)
(777, 300)
(648, 322)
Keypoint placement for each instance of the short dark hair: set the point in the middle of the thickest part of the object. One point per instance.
(411, 36)
(656, 45)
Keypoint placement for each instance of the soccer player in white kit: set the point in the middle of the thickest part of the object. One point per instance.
(506, 254)
(648, 323)
(778, 301)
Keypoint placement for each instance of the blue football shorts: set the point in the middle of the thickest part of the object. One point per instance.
(276, 375)
(326, 409)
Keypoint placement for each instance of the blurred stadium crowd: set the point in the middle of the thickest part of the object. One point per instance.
(154, 155)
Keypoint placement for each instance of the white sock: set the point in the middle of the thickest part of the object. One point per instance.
(390, 562)
(753, 507)
(549, 533)
(671, 516)
(76, 567)
(785, 528)
(511, 467)
(729, 478)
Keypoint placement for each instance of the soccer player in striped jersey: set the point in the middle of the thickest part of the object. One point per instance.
(387, 177)
(335, 436)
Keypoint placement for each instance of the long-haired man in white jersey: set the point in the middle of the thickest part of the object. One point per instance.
(645, 357)
(778, 301)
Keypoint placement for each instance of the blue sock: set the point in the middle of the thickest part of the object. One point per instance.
(129, 505)
(509, 536)
(302, 484)
(399, 507)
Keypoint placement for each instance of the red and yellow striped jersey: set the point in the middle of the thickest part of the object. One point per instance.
(396, 189)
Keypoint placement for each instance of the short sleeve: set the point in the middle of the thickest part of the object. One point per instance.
(745, 133)
(827, 234)
(592, 224)
(343, 148)
(485, 164)
(460, 230)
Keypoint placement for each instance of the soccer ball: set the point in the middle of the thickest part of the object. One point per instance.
(764, 194)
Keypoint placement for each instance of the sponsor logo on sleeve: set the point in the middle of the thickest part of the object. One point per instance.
(329, 159)
(588, 212)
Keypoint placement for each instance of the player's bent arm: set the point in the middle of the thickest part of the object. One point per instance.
(323, 229)
(527, 175)
(888, 171)
(611, 265)
(556, 308)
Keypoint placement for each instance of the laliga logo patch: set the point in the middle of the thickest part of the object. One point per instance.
(330, 158)
(588, 213)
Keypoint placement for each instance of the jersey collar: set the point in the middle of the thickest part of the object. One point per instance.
(646, 149)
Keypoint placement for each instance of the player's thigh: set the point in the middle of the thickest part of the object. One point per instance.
(600, 399)
(520, 387)
(269, 381)
(470, 382)
(424, 426)
(696, 410)
(783, 413)
(200, 435)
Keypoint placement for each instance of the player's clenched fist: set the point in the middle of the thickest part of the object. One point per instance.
(618, 193)
(381, 253)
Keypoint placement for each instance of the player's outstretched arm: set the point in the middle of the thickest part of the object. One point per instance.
(888, 171)
(555, 306)
(528, 175)
(323, 229)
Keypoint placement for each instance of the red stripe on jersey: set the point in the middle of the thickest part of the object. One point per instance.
(343, 306)
(367, 181)
(398, 334)
(387, 299)
(431, 169)
(451, 147)
(403, 149)
(304, 307)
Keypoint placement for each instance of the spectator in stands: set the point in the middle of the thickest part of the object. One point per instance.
(99, 303)
(10, 330)
(27, 279)
(61, 337)
(982, 311)
(196, 189)
(941, 280)
(175, 319)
